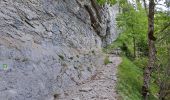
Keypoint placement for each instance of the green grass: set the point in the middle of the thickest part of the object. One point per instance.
(129, 80)
(141, 62)
(102, 2)
(111, 47)
(106, 60)
(130, 73)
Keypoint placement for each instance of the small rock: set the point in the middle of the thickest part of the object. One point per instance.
(86, 89)
(77, 98)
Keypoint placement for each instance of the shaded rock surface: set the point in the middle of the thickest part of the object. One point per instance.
(47, 46)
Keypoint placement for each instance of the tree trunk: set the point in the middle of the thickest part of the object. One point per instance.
(148, 70)
(152, 52)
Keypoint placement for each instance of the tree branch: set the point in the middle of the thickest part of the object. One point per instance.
(166, 26)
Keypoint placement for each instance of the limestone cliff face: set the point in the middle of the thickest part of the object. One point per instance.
(49, 45)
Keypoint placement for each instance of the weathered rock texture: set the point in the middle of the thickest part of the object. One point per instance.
(101, 86)
(49, 45)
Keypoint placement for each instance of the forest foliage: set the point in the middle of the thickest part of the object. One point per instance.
(101, 2)
(132, 22)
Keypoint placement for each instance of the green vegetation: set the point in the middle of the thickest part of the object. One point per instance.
(101, 2)
(111, 47)
(134, 45)
(133, 26)
(141, 62)
(133, 42)
(129, 80)
(106, 60)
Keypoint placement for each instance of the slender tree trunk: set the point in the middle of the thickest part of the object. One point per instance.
(148, 70)
(152, 51)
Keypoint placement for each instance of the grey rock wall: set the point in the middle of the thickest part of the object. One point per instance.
(49, 45)
(112, 32)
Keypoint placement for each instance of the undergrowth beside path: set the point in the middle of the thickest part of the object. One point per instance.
(130, 78)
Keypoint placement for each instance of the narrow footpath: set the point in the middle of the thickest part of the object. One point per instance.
(100, 87)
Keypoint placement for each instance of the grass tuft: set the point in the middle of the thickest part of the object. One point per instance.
(106, 60)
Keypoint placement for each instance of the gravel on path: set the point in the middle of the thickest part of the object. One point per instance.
(100, 86)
